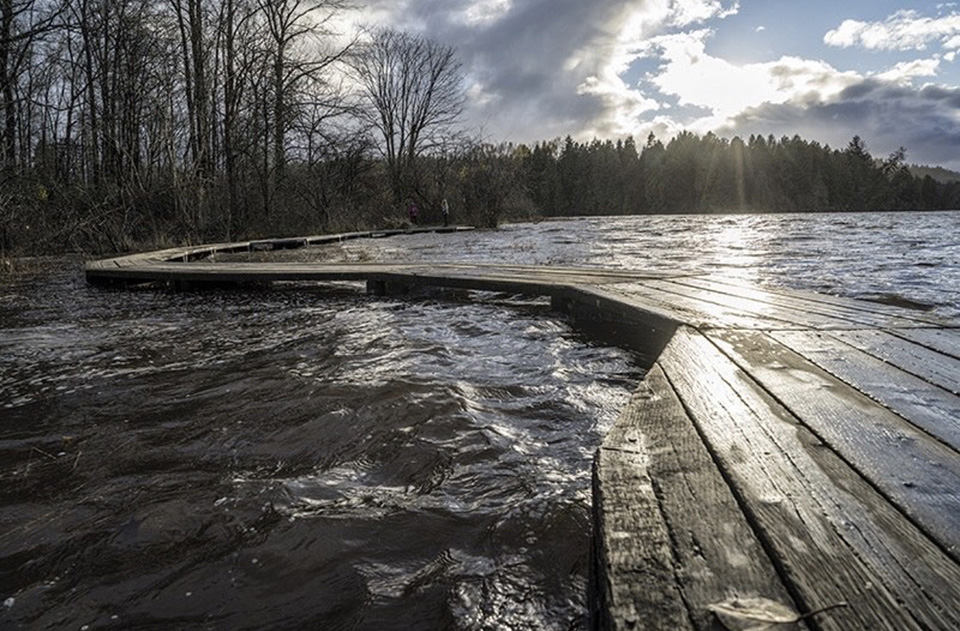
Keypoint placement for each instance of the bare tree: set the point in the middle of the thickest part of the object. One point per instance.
(22, 22)
(297, 50)
(194, 47)
(414, 95)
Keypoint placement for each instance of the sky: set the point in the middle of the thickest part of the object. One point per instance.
(827, 70)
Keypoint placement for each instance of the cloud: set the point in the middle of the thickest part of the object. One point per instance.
(905, 71)
(686, 12)
(886, 115)
(792, 95)
(485, 11)
(904, 30)
(698, 79)
(540, 68)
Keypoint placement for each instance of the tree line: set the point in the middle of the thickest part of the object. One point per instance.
(134, 123)
(699, 174)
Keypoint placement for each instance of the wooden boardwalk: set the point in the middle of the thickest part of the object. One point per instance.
(785, 447)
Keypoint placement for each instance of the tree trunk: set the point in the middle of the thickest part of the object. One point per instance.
(8, 151)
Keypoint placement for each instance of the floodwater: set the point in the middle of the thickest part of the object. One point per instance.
(911, 259)
(314, 458)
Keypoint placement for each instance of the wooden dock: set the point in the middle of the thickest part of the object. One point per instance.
(785, 447)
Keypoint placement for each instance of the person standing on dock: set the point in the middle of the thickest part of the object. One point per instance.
(413, 212)
(445, 211)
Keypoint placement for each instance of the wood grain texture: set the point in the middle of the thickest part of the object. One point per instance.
(834, 537)
(716, 553)
(757, 303)
(933, 366)
(932, 409)
(917, 473)
(943, 340)
(694, 311)
(856, 312)
(634, 579)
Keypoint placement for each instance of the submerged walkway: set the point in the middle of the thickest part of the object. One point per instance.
(785, 448)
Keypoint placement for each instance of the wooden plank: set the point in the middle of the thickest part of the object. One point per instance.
(945, 341)
(873, 313)
(717, 554)
(633, 575)
(650, 302)
(845, 309)
(834, 537)
(920, 475)
(923, 362)
(759, 304)
(698, 313)
(601, 274)
(930, 408)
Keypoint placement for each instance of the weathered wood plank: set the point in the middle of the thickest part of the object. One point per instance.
(716, 553)
(843, 309)
(920, 475)
(923, 362)
(759, 304)
(833, 535)
(945, 341)
(633, 575)
(602, 274)
(930, 408)
(492, 278)
(692, 311)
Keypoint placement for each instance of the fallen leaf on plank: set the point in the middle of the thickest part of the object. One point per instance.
(759, 614)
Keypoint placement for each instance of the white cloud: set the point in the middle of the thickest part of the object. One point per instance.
(904, 30)
(485, 11)
(905, 71)
(687, 12)
(544, 68)
(698, 79)
(812, 98)
(606, 58)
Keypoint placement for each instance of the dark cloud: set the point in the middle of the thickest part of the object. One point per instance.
(950, 97)
(926, 121)
(859, 91)
(521, 60)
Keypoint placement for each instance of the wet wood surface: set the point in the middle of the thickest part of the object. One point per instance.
(785, 447)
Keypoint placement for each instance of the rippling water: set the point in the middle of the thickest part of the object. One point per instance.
(910, 258)
(315, 458)
(294, 459)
